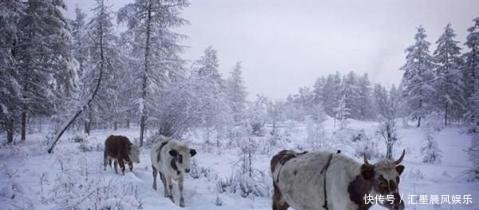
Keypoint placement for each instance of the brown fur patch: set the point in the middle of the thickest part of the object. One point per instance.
(367, 171)
(357, 189)
(118, 147)
(282, 157)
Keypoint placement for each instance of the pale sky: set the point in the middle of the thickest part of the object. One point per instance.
(284, 45)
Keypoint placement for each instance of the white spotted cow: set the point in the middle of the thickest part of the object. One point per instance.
(171, 159)
(332, 181)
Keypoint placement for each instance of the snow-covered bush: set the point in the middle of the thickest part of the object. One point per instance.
(359, 136)
(245, 185)
(218, 201)
(315, 135)
(79, 137)
(430, 149)
(246, 180)
(367, 147)
(78, 186)
(199, 172)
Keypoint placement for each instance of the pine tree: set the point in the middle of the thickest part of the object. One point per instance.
(331, 93)
(46, 66)
(10, 91)
(448, 78)
(418, 77)
(236, 92)
(150, 22)
(350, 92)
(471, 71)
(364, 98)
(210, 86)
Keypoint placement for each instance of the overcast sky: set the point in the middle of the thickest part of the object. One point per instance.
(284, 45)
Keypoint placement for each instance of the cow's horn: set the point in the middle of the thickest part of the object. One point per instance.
(400, 158)
(366, 160)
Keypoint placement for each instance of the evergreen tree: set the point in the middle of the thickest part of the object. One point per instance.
(10, 91)
(350, 92)
(150, 22)
(418, 77)
(331, 93)
(236, 92)
(471, 71)
(47, 69)
(449, 80)
(364, 102)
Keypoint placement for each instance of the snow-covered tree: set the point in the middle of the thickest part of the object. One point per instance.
(236, 92)
(149, 23)
(471, 71)
(331, 93)
(341, 113)
(104, 53)
(364, 98)
(430, 150)
(257, 112)
(81, 54)
(448, 77)
(46, 66)
(10, 91)
(418, 77)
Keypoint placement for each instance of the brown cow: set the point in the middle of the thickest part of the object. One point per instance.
(120, 150)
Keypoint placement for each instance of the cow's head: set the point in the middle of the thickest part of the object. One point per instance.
(182, 157)
(385, 180)
(134, 153)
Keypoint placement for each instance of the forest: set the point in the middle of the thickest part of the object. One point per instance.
(66, 84)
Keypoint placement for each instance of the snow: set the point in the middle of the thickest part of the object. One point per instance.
(32, 179)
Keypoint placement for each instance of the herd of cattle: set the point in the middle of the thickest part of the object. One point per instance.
(304, 181)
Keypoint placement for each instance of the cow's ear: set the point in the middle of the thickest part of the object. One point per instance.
(173, 153)
(192, 152)
(400, 169)
(367, 171)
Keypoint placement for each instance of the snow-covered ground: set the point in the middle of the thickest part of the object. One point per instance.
(72, 177)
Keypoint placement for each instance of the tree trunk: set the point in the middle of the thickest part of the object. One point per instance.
(115, 126)
(10, 130)
(88, 121)
(418, 122)
(445, 115)
(145, 75)
(24, 125)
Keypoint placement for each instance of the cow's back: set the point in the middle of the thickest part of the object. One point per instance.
(301, 181)
(117, 147)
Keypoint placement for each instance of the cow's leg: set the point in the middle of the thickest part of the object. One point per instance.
(278, 201)
(169, 186)
(163, 180)
(115, 164)
(105, 159)
(155, 173)
(130, 163)
(122, 166)
(180, 186)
